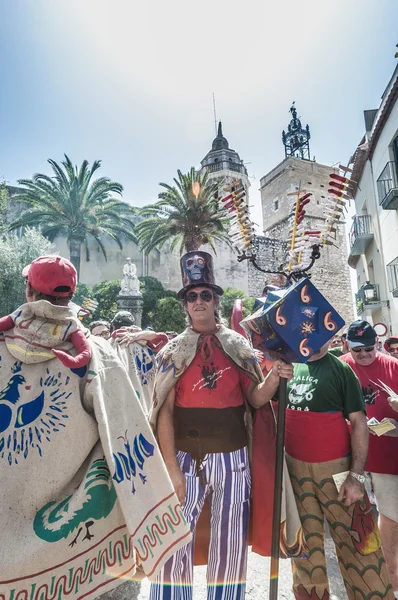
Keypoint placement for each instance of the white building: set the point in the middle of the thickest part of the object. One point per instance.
(374, 232)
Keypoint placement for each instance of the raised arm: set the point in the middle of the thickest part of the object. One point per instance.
(260, 394)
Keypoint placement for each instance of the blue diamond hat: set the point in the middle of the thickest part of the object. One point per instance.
(197, 271)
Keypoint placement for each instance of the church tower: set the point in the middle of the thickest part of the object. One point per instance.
(297, 171)
(224, 163)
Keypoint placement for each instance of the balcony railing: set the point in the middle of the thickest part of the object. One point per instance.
(226, 165)
(369, 305)
(361, 234)
(392, 276)
(387, 186)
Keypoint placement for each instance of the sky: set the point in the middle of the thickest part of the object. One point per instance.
(132, 83)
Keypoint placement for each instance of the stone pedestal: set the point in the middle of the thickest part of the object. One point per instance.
(133, 304)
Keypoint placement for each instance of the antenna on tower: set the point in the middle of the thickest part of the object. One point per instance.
(215, 115)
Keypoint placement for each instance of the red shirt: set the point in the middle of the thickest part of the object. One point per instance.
(212, 380)
(383, 450)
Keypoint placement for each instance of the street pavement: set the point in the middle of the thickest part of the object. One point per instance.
(258, 579)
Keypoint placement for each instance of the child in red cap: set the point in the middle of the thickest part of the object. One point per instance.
(53, 276)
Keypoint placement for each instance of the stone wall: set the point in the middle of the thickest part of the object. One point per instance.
(270, 254)
(331, 272)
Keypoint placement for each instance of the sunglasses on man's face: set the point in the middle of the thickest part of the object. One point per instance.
(393, 350)
(205, 295)
(359, 349)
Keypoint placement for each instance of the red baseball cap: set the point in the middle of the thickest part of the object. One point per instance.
(52, 275)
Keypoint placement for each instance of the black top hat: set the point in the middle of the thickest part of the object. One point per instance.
(197, 271)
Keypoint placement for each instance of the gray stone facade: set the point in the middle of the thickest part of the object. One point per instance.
(270, 253)
(330, 273)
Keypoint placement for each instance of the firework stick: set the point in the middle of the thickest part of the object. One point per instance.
(276, 519)
(233, 184)
(294, 225)
(345, 169)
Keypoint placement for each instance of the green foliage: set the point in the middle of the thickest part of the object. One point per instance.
(105, 294)
(72, 205)
(82, 291)
(3, 205)
(227, 303)
(168, 315)
(181, 218)
(15, 254)
(152, 291)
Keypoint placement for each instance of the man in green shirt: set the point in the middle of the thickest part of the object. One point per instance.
(322, 396)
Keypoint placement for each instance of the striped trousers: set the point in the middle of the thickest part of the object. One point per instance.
(224, 481)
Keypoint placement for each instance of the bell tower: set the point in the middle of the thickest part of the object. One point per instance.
(297, 139)
(223, 163)
(278, 192)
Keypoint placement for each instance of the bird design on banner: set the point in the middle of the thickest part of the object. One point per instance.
(28, 424)
(94, 499)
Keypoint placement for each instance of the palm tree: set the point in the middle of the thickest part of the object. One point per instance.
(73, 205)
(182, 218)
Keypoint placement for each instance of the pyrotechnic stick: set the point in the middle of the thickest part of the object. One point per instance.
(233, 184)
(295, 223)
(276, 519)
(345, 169)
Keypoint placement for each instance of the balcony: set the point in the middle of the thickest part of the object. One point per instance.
(387, 186)
(392, 276)
(368, 299)
(361, 234)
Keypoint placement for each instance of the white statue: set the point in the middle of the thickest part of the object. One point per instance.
(130, 283)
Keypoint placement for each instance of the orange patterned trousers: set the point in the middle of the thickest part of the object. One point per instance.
(353, 529)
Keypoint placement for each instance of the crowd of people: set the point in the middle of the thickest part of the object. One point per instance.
(125, 449)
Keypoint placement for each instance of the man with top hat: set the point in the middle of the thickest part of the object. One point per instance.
(374, 369)
(207, 379)
(82, 479)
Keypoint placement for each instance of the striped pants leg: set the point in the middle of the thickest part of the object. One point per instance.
(225, 480)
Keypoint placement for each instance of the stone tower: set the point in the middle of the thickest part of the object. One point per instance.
(330, 273)
(224, 163)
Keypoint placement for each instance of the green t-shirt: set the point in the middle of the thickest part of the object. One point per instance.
(325, 385)
(336, 351)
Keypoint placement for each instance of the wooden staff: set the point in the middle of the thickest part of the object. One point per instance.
(276, 521)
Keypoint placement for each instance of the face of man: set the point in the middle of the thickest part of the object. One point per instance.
(393, 350)
(101, 331)
(200, 306)
(336, 342)
(364, 355)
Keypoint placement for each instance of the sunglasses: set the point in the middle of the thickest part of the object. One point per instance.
(205, 295)
(103, 334)
(359, 349)
(393, 350)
